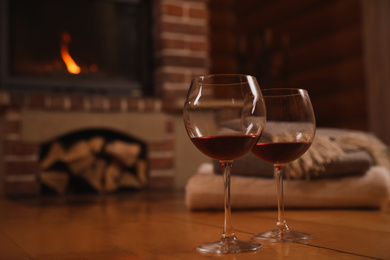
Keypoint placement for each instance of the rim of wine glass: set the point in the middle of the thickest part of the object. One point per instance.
(274, 92)
(200, 78)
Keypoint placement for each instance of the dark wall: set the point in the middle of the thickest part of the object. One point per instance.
(311, 44)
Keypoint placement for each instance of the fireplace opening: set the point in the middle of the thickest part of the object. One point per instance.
(93, 161)
(91, 46)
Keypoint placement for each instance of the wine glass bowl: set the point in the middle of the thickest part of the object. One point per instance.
(288, 134)
(224, 116)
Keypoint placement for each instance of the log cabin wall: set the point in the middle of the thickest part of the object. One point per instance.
(376, 24)
(311, 44)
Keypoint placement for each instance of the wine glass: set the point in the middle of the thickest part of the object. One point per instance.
(289, 132)
(224, 116)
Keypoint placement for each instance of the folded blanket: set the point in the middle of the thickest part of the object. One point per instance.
(333, 153)
(204, 190)
(349, 164)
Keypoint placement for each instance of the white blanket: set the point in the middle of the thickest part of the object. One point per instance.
(204, 190)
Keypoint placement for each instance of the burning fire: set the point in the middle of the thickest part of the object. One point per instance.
(69, 62)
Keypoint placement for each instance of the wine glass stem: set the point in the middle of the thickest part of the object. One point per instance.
(281, 224)
(227, 227)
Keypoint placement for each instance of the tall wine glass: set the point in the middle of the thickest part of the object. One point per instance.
(289, 132)
(224, 115)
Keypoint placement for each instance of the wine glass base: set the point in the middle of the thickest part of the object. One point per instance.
(278, 235)
(228, 246)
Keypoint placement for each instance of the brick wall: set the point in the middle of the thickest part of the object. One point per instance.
(181, 51)
(181, 44)
(20, 160)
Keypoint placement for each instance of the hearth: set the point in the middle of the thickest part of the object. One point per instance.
(71, 46)
(38, 107)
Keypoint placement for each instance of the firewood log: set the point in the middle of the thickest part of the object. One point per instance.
(55, 154)
(142, 172)
(81, 165)
(127, 153)
(77, 151)
(129, 180)
(111, 177)
(56, 180)
(96, 144)
(95, 175)
(79, 157)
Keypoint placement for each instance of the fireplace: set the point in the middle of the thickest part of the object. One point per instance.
(46, 103)
(71, 46)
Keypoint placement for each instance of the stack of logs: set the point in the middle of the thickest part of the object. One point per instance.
(105, 165)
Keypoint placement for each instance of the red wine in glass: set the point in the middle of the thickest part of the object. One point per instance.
(224, 116)
(280, 153)
(228, 147)
(287, 135)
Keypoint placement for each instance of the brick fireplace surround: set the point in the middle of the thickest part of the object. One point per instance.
(181, 51)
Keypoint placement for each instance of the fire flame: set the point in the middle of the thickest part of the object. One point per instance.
(69, 62)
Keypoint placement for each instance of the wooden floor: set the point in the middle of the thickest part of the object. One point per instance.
(158, 226)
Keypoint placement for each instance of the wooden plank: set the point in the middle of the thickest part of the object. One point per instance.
(331, 110)
(243, 8)
(328, 18)
(224, 64)
(277, 12)
(10, 250)
(327, 79)
(332, 48)
(222, 19)
(332, 229)
(308, 23)
(376, 23)
(223, 43)
(159, 227)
